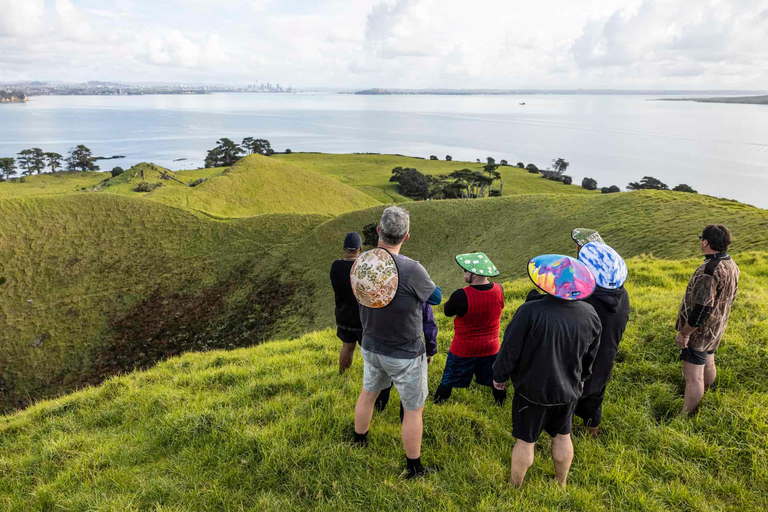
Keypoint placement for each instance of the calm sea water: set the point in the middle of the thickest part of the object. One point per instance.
(717, 149)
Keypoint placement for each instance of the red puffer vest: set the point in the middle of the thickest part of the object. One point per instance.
(476, 334)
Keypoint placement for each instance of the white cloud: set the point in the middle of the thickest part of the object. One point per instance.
(21, 17)
(73, 23)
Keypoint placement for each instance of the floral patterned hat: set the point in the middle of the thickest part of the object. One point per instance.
(374, 278)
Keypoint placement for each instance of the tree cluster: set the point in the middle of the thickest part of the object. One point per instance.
(557, 173)
(36, 161)
(227, 152)
(460, 184)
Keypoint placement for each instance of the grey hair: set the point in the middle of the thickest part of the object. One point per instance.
(394, 225)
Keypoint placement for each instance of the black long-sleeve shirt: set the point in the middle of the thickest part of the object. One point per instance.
(347, 310)
(548, 349)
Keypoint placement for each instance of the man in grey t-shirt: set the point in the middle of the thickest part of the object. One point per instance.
(393, 347)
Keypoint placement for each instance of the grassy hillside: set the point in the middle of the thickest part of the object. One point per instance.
(257, 184)
(267, 428)
(49, 184)
(95, 283)
(513, 229)
(371, 173)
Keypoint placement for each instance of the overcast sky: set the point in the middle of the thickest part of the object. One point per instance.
(664, 44)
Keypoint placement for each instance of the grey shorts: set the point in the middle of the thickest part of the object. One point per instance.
(408, 375)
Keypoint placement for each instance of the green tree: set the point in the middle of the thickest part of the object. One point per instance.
(491, 160)
(37, 161)
(117, 171)
(81, 159)
(494, 174)
(25, 161)
(432, 157)
(610, 190)
(532, 168)
(560, 165)
(370, 235)
(566, 180)
(226, 153)
(7, 167)
(503, 162)
(258, 146)
(589, 184)
(448, 158)
(411, 183)
(521, 165)
(684, 188)
(54, 160)
(647, 183)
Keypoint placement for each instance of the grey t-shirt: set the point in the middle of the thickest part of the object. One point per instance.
(396, 330)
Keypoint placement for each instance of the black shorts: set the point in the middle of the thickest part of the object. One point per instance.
(694, 356)
(349, 336)
(529, 420)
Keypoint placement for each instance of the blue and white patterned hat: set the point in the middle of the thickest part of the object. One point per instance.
(606, 265)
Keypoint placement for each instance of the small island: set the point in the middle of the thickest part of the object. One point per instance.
(13, 97)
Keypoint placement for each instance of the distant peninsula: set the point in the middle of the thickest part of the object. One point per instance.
(747, 100)
(13, 97)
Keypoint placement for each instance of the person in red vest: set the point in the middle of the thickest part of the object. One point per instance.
(477, 309)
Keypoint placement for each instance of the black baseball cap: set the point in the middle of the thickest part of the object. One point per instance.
(353, 241)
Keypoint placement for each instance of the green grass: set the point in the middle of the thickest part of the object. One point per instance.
(59, 183)
(513, 229)
(267, 428)
(78, 267)
(371, 173)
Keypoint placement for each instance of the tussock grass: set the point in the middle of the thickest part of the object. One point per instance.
(267, 428)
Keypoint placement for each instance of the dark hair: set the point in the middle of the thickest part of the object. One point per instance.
(718, 237)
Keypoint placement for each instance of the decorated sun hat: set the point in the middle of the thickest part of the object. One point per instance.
(583, 236)
(477, 263)
(374, 278)
(606, 265)
(561, 276)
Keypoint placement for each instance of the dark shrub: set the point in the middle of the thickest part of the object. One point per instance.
(684, 188)
(370, 236)
(532, 168)
(610, 190)
(448, 158)
(117, 171)
(146, 186)
(432, 157)
(567, 180)
(521, 165)
(589, 184)
(494, 193)
(197, 182)
(503, 162)
(288, 151)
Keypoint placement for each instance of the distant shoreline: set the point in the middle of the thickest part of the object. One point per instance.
(744, 100)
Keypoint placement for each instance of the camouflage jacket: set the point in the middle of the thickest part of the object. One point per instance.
(708, 300)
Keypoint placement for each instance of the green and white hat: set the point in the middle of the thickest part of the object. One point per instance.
(477, 263)
(583, 236)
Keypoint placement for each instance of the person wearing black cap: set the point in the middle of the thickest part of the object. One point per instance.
(349, 329)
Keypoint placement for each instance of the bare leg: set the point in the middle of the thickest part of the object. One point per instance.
(710, 371)
(522, 458)
(364, 410)
(562, 454)
(694, 386)
(412, 430)
(346, 356)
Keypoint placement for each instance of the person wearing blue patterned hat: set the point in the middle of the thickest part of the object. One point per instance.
(611, 302)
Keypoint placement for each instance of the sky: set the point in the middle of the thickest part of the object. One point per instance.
(348, 44)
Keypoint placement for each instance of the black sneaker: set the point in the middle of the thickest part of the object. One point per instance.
(419, 473)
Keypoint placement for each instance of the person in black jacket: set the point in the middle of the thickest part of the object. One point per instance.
(611, 302)
(547, 352)
(349, 328)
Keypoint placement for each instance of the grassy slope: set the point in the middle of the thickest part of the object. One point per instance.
(78, 264)
(371, 173)
(258, 184)
(513, 229)
(51, 184)
(266, 429)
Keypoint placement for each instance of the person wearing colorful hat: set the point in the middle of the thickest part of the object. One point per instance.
(391, 290)
(547, 352)
(477, 310)
(611, 302)
(349, 329)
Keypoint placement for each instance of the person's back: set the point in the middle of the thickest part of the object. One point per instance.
(349, 329)
(545, 349)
